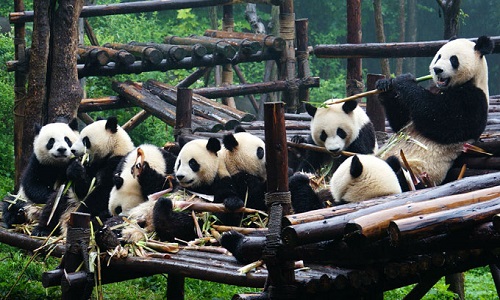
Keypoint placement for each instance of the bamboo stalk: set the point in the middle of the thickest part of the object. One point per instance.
(368, 93)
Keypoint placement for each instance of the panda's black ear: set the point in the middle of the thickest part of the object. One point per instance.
(213, 145)
(349, 106)
(239, 129)
(394, 163)
(356, 167)
(112, 124)
(484, 45)
(229, 142)
(73, 124)
(310, 109)
(38, 127)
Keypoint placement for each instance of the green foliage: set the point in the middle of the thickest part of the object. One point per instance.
(7, 117)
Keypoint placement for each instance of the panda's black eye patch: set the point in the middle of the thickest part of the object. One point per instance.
(341, 133)
(50, 143)
(323, 136)
(437, 58)
(260, 152)
(194, 165)
(454, 62)
(68, 141)
(86, 142)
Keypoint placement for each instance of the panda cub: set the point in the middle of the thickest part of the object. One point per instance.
(362, 177)
(435, 126)
(45, 172)
(106, 143)
(140, 173)
(337, 127)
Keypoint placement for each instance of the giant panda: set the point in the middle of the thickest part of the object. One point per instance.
(44, 173)
(106, 143)
(141, 172)
(337, 127)
(362, 177)
(432, 127)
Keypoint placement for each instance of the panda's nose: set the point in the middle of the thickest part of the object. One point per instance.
(61, 150)
(118, 210)
(73, 151)
(438, 70)
(180, 177)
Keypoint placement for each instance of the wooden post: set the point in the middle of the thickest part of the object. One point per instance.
(302, 59)
(281, 271)
(354, 82)
(19, 93)
(495, 273)
(288, 61)
(227, 69)
(77, 242)
(183, 112)
(175, 287)
(374, 109)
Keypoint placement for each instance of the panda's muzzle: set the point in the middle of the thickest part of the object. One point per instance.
(441, 81)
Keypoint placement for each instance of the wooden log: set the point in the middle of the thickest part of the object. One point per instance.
(242, 45)
(303, 69)
(183, 112)
(169, 51)
(386, 50)
(277, 43)
(167, 91)
(186, 63)
(157, 107)
(373, 226)
(329, 228)
(213, 46)
(131, 8)
(196, 50)
(192, 78)
(93, 56)
(485, 162)
(256, 88)
(446, 221)
(136, 120)
(145, 53)
(103, 103)
(66, 91)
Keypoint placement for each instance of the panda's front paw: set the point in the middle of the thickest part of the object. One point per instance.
(403, 78)
(298, 139)
(40, 231)
(75, 170)
(384, 85)
(233, 203)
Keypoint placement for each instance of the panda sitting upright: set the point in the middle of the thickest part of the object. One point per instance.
(432, 128)
(106, 143)
(337, 127)
(45, 172)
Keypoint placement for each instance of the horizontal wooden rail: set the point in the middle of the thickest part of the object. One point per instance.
(389, 50)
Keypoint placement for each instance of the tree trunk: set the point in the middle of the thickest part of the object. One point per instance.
(412, 33)
(36, 99)
(402, 29)
(354, 81)
(379, 30)
(65, 89)
(451, 10)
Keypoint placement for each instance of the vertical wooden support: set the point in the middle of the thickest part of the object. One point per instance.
(288, 61)
(183, 111)
(304, 71)
(77, 242)
(19, 91)
(281, 274)
(354, 82)
(374, 109)
(227, 70)
(422, 288)
(175, 287)
(457, 284)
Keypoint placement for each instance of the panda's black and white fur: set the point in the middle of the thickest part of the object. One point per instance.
(362, 177)
(337, 127)
(106, 143)
(45, 172)
(435, 126)
(138, 176)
